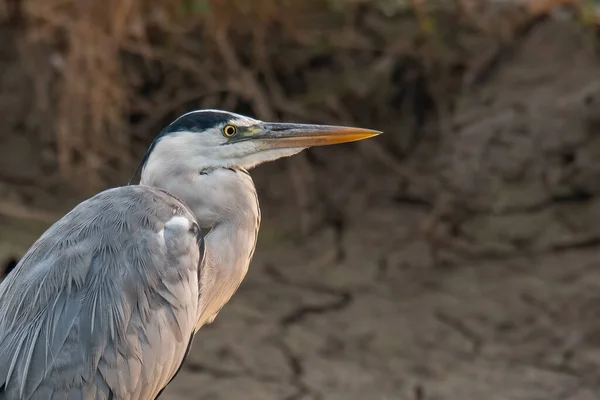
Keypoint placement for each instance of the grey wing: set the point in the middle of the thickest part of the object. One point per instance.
(104, 304)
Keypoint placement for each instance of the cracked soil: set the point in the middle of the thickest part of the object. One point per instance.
(474, 275)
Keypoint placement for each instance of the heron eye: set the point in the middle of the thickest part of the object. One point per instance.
(229, 130)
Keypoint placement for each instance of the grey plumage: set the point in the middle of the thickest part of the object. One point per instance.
(98, 300)
(106, 303)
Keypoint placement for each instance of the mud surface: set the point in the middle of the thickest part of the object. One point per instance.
(470, 270)
(473, 275)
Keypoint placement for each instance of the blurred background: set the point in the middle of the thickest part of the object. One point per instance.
(455, 257)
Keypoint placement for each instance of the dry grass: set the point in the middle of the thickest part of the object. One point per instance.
(122, 68)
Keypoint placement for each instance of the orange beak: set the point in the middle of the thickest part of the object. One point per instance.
(280, 135)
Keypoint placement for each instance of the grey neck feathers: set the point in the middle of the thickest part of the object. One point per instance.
(224, 201)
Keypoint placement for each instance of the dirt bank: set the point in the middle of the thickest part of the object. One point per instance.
(465, 268)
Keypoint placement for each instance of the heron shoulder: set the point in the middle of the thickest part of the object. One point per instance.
(96, 282)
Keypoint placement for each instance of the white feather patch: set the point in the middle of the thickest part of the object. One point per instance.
(178, 222)
(161, 237)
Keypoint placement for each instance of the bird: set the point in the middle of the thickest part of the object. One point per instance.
(106, 303)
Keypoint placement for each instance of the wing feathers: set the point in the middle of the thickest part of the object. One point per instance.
(32, 343)
(100, 307)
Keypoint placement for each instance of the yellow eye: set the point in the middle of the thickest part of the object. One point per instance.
(229, 130)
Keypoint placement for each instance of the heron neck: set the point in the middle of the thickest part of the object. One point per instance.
(224, 202)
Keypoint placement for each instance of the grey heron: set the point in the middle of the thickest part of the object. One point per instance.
(106, 302)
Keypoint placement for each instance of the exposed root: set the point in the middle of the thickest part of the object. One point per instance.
(114, 71)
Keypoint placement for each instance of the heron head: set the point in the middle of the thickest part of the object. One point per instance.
(214, 138)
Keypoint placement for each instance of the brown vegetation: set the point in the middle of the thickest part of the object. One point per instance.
(109, 73)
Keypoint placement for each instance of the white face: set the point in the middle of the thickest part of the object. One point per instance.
(212, 148)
